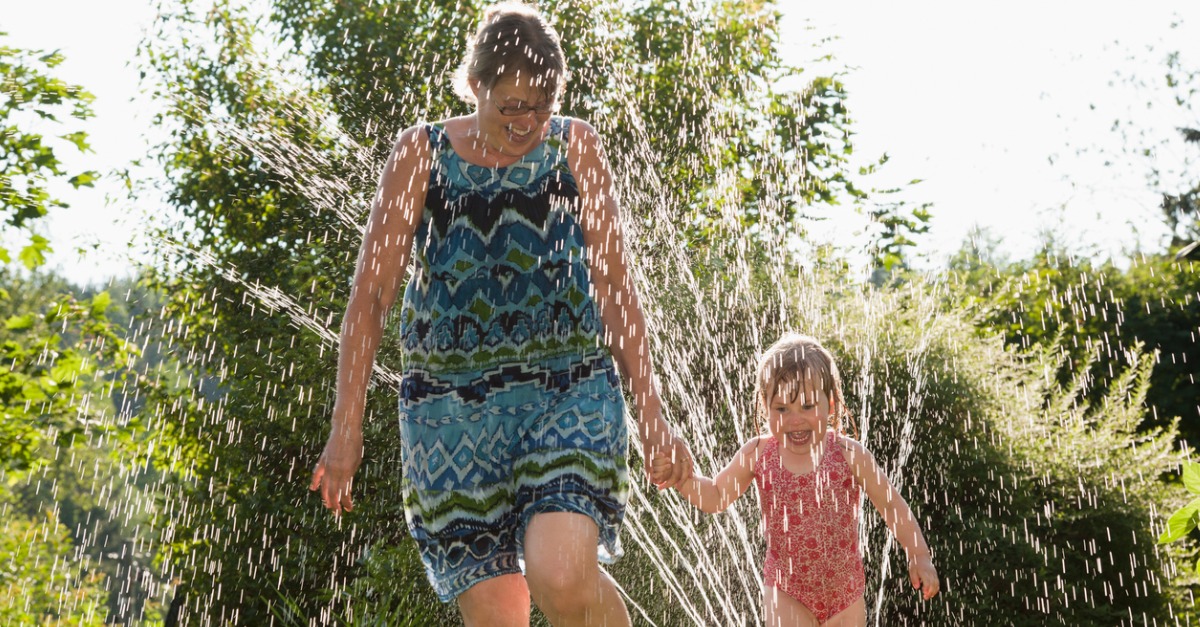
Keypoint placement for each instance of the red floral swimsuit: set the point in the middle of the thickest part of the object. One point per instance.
(811, 524)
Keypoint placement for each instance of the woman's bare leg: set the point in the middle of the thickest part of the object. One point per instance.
(564, 575)
(502, 601)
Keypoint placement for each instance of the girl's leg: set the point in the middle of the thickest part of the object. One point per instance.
(853, 616)
(501, 601)
(781, 610)
(564, 576)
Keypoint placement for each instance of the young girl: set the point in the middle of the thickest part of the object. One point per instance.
(810, 480)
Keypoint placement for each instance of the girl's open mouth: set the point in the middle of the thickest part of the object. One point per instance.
(799, 438)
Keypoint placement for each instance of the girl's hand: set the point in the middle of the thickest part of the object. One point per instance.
(924, 577)
(660, 468)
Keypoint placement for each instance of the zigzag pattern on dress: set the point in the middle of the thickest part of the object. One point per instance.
(510, 403)
(480, 470)
(458, 512)
(418, 385)
(501, 269)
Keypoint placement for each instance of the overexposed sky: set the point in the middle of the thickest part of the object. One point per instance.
(1004, 110)
(99, 40)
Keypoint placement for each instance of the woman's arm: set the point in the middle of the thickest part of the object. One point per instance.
(617, 300)
(382, 261)
(896, 515)
(717, 494)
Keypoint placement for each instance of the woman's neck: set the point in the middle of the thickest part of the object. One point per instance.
(475, 145)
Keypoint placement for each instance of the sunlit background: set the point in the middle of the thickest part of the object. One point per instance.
(1006, 112)
(1034, 400)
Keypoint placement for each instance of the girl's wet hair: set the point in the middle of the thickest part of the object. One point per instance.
(513, 39)
(800, 362)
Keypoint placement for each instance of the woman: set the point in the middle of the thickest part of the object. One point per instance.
(521, 302)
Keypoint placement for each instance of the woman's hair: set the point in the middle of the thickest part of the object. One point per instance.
(799, 362)
(513, 38)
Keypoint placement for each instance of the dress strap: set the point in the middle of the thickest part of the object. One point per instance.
(770, 455)
(437, 135)
(564, 131)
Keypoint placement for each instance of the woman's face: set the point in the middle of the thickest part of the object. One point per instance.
(513, 114)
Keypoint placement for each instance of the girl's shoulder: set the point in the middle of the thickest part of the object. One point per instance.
(844, 441)
(853, 450)
(754, 448)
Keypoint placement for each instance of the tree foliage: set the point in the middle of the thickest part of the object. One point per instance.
(1098, 313)
(70, 507)
(33, 100)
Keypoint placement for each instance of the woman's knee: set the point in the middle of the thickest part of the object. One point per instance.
(560, 563)
(564, 593)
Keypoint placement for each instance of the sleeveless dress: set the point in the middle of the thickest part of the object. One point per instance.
(510, 405)
(811, 528)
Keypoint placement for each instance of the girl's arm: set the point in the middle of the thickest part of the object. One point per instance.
(382, 262)
(617, 301)
(716, 494)
(896, 515)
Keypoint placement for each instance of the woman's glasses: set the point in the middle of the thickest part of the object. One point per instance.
(520, 108)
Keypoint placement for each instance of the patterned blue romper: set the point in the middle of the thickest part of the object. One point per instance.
(510, 405)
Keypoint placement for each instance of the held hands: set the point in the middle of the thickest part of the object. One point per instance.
(923, 576)
(667, 457)
(661, 468)
(333, 476)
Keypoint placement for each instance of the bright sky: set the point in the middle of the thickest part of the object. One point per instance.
(987, 103)
(990, 105)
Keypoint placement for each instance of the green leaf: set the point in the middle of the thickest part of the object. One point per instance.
(100, 303)
(19, 323)
(79, 138)
(34, 255)
(1191, 477)
(83, 180)
(1180, 523)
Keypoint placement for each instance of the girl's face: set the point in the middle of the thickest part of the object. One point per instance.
(512, 114)
(798, 417)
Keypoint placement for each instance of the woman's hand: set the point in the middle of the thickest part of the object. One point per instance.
(333, 476)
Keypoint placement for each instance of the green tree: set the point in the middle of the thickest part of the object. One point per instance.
(61, 437)
(32, 99)
(1096, 312)
(36, 588)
